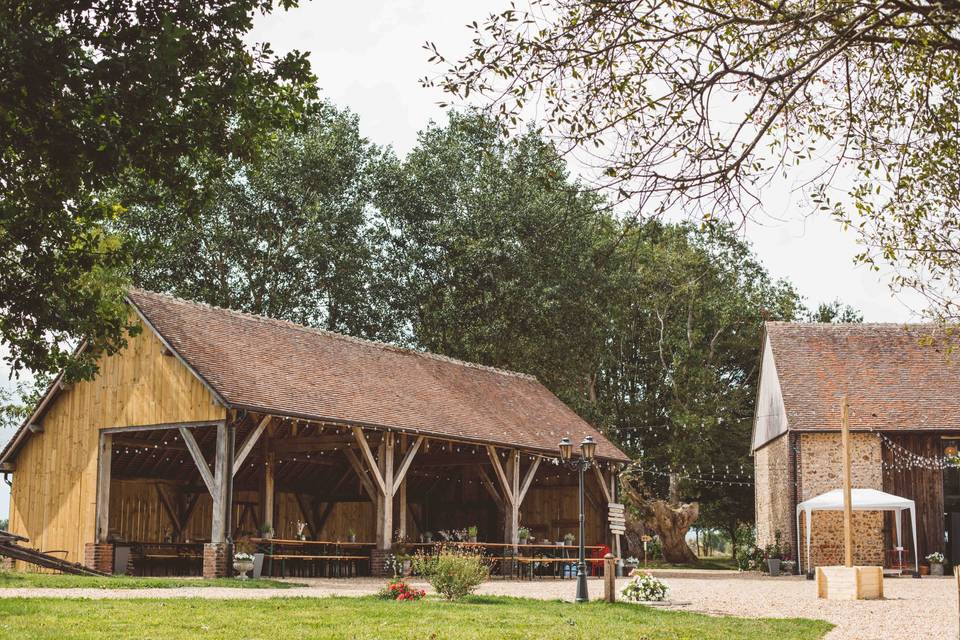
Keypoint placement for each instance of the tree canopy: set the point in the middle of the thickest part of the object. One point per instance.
(696, 106)
(96, 94)
(289, 235)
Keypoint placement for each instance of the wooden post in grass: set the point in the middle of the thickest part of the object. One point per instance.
(847, 491)
(956, 574)
(848, 582)
(610, 578)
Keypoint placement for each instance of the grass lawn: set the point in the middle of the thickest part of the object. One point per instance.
(477, 617)
(23, 579)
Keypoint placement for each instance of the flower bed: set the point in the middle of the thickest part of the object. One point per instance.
(400, 591)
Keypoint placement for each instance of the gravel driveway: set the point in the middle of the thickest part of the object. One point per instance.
(924, 608)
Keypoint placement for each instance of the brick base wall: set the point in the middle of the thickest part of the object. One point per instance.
(98, 556)
(217, 560)
(378, 558)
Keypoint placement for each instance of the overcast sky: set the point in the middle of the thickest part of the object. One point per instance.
(368, 57)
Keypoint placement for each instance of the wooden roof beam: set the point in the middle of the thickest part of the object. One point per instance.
(370, 460)
(249, 443)
(405, 464)
(201, 463)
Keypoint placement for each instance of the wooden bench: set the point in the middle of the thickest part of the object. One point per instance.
(336, 560)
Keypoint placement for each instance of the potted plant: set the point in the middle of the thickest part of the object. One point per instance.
(266, 530)
(787, 565)
(523, 534)
(472, 533)
(774, 555)
(242, 562)
(936, 563)
(301, 526)
(568, 539)
(351, 535)
(428, 536)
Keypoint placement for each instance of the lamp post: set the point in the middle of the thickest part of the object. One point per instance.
(587, 450)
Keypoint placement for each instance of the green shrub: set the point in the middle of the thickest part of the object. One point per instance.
(452, 574)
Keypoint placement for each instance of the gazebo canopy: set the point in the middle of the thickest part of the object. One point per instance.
(861, 500)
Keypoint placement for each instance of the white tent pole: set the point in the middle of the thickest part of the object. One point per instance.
(799, 555)
(897, 514)
(916, 547)
(807, 512)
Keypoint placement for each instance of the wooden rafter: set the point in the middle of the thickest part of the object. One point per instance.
(401, 473)
(528, 479)
(307, 510)
(505, 485)
(370, 460)
(249, 443)
(361, 474)
(603, 483)
(487, 484)
(201, 463)
(168, 506)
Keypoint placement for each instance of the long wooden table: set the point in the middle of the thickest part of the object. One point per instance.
(334, 558)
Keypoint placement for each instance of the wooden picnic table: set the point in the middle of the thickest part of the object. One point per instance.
(335, 564)
(502, 545)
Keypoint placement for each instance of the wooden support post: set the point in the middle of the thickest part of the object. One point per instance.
(380, 501)
(847, 491)
(956, 574)
(269, 489)
(104, 459)
(223, 484)
(400, 484)
(402, 509)
(610, 578)
(386, 468)
(848, 582)
(513, 522)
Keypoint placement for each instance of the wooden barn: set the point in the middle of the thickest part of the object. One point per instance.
(902, 387)
(214, 427)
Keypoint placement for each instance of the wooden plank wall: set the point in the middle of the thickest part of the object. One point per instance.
(53, 499)
(924, 486)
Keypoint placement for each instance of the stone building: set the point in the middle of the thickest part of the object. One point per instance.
(901, 386)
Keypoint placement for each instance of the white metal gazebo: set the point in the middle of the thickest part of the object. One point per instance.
(862, 500)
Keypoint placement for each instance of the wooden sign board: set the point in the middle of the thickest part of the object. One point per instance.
(616, 518)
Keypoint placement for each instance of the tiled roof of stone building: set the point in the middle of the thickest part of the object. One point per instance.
(895, 376)
(278, 367)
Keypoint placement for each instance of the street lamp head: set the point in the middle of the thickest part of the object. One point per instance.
(566, 449)
(588, 448)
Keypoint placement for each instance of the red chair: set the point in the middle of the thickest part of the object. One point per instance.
(596, 568)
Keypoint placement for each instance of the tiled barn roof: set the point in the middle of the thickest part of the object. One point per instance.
(895, 376)
(274, 366)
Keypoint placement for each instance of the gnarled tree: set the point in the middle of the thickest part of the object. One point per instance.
(669, 519)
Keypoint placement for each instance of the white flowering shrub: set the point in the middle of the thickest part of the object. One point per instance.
(645, 588)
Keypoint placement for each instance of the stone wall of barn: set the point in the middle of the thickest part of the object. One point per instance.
(773, 492)
(820, 470)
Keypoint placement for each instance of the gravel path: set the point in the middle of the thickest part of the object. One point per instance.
(913, 608)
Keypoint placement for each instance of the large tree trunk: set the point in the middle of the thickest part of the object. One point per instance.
(669, 521)
(672, 523)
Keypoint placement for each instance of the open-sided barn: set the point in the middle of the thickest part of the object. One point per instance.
(212, 426)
